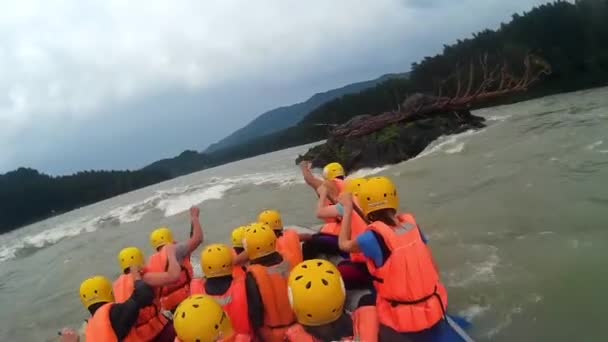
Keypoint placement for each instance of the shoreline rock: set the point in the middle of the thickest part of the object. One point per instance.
(392, 144)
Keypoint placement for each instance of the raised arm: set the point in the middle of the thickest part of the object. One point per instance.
(196, 237)
(309, 177)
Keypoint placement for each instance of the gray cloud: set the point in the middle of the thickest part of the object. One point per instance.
(114, 84)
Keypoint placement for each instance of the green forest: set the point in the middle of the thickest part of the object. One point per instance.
(27, 195)
(570, 37)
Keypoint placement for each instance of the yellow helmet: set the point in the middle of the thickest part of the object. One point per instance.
(201, 319)
(95, 290)
(237, 236)
(316, 292)
(129, 257)
(333, 170)
(161, 237)
(354, 185)
(378, 193)
(259, 241)
(216, 260)
(271, 218)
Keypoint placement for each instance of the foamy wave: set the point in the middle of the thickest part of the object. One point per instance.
(473, 311)
(478, 271)
(30, 243)
(367, 172)
(181, 203)
(281, 178)
(456, 149)
(447, 143)
(499, 118)
(592, 146)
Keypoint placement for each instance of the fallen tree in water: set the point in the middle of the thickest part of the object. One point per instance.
(398, 135)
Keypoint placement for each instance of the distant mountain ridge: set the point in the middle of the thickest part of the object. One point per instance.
(287, 116)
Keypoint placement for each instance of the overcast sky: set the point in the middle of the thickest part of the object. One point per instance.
(103, 84)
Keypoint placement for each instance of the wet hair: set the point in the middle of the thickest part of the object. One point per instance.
(387, 216)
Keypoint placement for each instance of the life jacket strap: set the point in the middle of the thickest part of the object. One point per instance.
(394, 303)
(280, 326)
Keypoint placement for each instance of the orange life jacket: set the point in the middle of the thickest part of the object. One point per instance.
(99, 327)
(237, 270)
(365, 328)
(332, 225)
(272, 284)
(234, 302)
(410, 296)
(288, 245)
(174, 294)
(151, 321)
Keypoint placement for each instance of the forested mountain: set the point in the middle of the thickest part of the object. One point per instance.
(288, 116)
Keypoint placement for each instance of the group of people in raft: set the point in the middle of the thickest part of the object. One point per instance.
(271, 284)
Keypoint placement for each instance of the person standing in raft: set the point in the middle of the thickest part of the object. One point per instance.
(201, 319)
(174, 294)
(354, 270)
(411, 300)
(226, 287)
(110, 321)
(326, 241)
(151, 324)
(317, 296)
(266, 283)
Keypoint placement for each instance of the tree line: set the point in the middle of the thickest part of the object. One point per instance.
(27, 195)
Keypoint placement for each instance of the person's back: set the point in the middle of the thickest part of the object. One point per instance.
(353, 270)
(172, 295)
(288, 241)
(410, 295)
(112, 321)
(266, 283)
(151, 322)
(227, 290)
(317, 298)
(326, 241)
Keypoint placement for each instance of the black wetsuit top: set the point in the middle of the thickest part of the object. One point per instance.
(334, 331)
(340, 328)
(123, 316)
(218, 286)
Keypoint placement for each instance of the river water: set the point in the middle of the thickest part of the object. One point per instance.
(516, 215)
